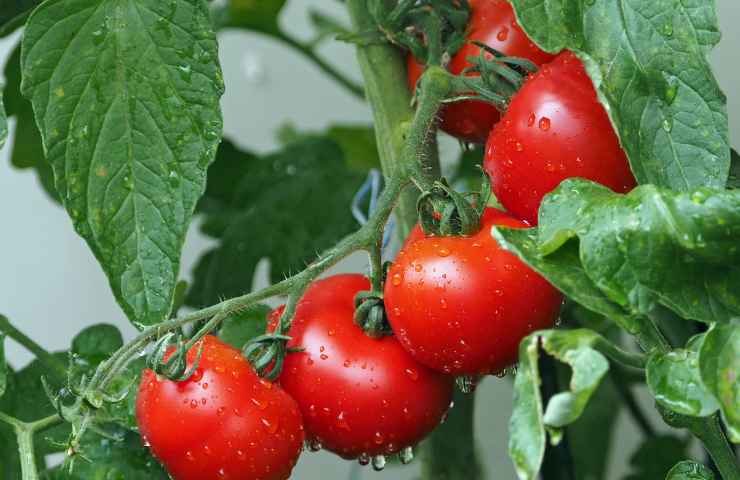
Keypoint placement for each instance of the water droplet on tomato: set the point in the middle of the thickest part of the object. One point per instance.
(396, 279)
(519, 147)
(418, 267)
(193, 403)
(531, 119)
(342, 422)
(331, 333)
(443, 252)
(270, 425)
(189, 456)
(502, 34)
(207, 450)
(363, 459)
(259, 403)
(396, 311)
(378, 438)
(544, 124)
(378, 463)
(407, 455)
(412, 373)
(323, 356)
(443, 304)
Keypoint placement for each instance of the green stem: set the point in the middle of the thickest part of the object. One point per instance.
(629, 359)
(57, 367)
(709, 431)
(307, 51)
(449, 453)
(384, 72)
(24, 433)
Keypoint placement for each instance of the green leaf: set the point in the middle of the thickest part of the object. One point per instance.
(720, 369)
(27, 148)
(124, 458)
(674, 380)
(13, 13)
(26, 400)
(130, 120)
(3, 366)
(241, 327)
(564, 270)
(528, 422)
(648, 63)
(358, 145)
(689, 470)
(649, 247)
(290, 206)
(96, 343)
(655, 456)
(259, 15)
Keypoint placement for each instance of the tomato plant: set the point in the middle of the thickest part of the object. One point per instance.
(555, 128)
(458, 314)
(360, 397)
(493, 23)
(222, 422)
(609, 265)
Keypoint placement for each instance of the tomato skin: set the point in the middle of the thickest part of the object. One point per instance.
(493, 23)
(223, 423)
(358, 395)
(555, 128)
(461, 305)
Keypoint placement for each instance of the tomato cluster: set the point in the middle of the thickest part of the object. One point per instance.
(457, 305)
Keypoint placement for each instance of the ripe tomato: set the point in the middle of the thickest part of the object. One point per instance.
(461, 305)
(359, 396)
(555, 128)
(224, 422)
(493, 23)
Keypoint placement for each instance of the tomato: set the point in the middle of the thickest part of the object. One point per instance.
(224, 422)
(461, 305)
(359, 396)
(555, 128)
(493, 23)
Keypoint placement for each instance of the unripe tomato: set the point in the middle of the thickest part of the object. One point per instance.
(461, 305)
(224, 422)
(555, 128)
(359, 396)
(493, 23)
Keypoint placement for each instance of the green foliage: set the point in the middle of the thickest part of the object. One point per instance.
(719, 363)
(688, 470)
(649, 247)
(285, 207)
(529, 420)
(655, 456)
(733, 180)
(26, 400)
(123, 457)
(241, 327)
(674, 381)
(3, 122)
(258, 15)
(648, 62)
(27, 151)
(130, 122)
(96, 343)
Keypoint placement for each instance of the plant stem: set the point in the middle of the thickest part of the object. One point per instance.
(384, 73)
(24, 433)
(310, 54)
(709, 431)
(449, 453)
(54, 365)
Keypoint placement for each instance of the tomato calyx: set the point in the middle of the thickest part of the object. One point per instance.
(446, 212)
(492, 77)
(370, 314)
(267, 354)
(172, 364)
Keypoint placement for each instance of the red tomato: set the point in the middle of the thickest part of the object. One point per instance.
(359, 396)
(555, 128)
(493, 23)
(224, 422)
(461, 305)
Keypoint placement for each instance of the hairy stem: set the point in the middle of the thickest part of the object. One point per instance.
(308, 52)
(709, 431)
(24, 433)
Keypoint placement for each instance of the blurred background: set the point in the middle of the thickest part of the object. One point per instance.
(51, 286)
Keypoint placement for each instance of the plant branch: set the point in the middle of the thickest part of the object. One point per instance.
(24, 433)
(308, 51)
(58, 368)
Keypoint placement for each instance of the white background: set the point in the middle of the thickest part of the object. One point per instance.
(51, 286)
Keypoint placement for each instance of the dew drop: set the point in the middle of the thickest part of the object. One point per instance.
(443, 252)
(531, 119)
(396, 279)
(502, 34)
(412, 373)
(189, 456)
(544, 124)
(363, 459)
(406, 455)
(519, 147)
(378, 463)
(378, 438)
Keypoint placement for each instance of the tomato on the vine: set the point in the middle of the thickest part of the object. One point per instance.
(555, 128)
(461, 305)
(492, 22)
(224, 422)
(359, 396)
